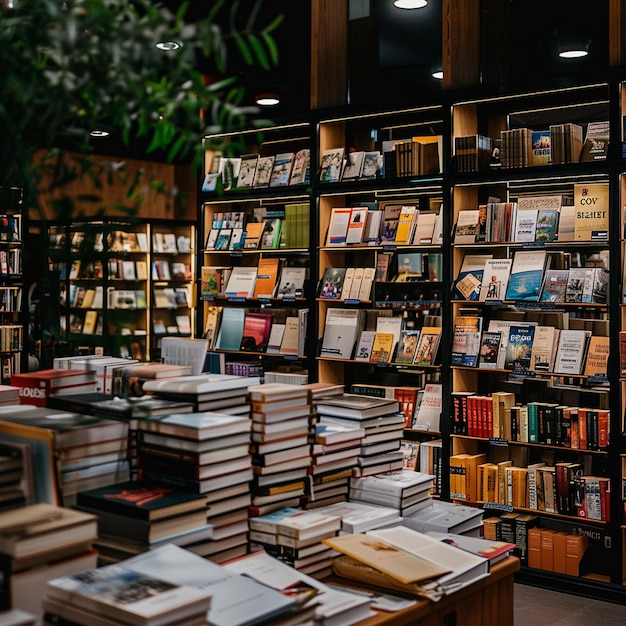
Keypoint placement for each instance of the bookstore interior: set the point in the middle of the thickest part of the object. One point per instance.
(366, 377)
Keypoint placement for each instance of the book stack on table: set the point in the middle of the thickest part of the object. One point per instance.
(295, 537)
(205, 453)
(382, 421)
(281, 453)
(133, 518)
(446, 517)
(39, 542)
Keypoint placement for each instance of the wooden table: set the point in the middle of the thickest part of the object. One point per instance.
(488, 602)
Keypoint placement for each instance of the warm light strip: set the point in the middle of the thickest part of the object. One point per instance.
(364, 116)
(560, 108)
(261, 129)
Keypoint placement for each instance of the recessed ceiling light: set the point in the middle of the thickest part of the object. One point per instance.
(410, 4)
(169, 45)
(573, 53)
(99, 133)
(438, 74)
(267, 99)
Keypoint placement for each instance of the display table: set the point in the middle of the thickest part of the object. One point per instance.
(488, 602)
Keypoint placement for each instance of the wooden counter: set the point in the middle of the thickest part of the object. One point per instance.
(488, 602)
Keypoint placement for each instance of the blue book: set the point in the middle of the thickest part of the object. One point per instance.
(526, 276)
(519, 348)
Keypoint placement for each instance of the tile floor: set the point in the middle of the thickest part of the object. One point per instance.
(539, 607)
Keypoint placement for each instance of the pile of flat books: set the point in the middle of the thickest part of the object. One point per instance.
(281, 454)
(382, 422)
(171, 585)
(205, 453)
(407, 491)
(38, 542)
(295, 537)
(17, 487)
(225, 393)
(79, 451)
(133, 518)
(359, 517)
(446, 517)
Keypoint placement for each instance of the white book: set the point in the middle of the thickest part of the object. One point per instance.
(340, 332)
(241, 282)
(367, 282)
(495, 280)
(428, 416)
(338, 226)
(275, 339)
(570, 355)
(364, 348)
(525, 225)
(425, 229)
(371, 234)
(466, 226)
(355, 288)
(356, 225)
(390, 324)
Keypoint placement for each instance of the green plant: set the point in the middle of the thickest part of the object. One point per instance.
(70, 67)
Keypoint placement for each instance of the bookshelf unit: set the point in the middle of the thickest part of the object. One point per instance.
(520, 410)
(384, 223)
(109, 272)
(13, 299)
(172, 280)
(253, 273)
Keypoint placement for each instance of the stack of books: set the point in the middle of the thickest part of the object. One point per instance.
(359, 517)
(82, 451)
(335, 452)
(204, 453)
(35, 387)
(407, 491)
(16, 476)
(133, 518)
(226, 393)
(382, 422)
(108, 369)
(295, 537)
(446, 517)
(281, 453)
(39, 542)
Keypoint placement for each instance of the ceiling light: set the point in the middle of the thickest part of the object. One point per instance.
(169, 45)
(99, 133)
(410, 4)
(438, 74)
(574, 49)
(267, 99)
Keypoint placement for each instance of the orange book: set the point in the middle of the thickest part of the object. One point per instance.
(472, 474)
(560, 543)
(266, 277)
(547, 549)
(534, 547)
(575, 547)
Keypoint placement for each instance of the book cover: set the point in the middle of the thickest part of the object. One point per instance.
(382, 347)
(466, 226)
(270, 240)
(571, 350)
(489, 350)
(341, 328)
(547, 225)
(554, 288)
(597, 357)
(300, 172)
(241, 282)
(356, 225)
(282, 169)
(495, 280)
(263, 171)
(266, 277)
(389, 226)
(596, 144)
(544, 348)
(331, 285)
(525, 227)
(331, 165)
(256, 331)
(526, 276)
(291, 284)
(407, 346)
(470, 277)
(427, 345)
(247, 169)
(519, 347)
(428, 414)
(231, 329)
(354, 165)
(541, 142)
(365, 345)
(591, 217)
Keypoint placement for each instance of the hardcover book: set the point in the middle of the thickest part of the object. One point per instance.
(554, 286)
(526, 276)
(341, 329)
(263, 171)
(300, 172)
(470, 277)
(489, 350)
(247, 169)
(572, 347)
(332, 283)
(331, 165)
(495, 280)
(466, 226)
(591, 217)
(519, 347)
(427, 345)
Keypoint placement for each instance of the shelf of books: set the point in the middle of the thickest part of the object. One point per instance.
(531, 409)
(379, 266)
(11, 283)
(254, 268)
(172, 272)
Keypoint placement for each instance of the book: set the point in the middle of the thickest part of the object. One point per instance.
(241, 282)
(338, 225)
(407, 346)
(526, 278)
(266, 276)
(341, 329)
(231, 329)
(247, 170)
(256, 331)
(596, 144)
(591, 217)
(332, 283)
(281, 170)
(300, 172)
(36, 530)
(331, 165)
(356, 407)
(263, 171)
(428, 345)
(489, 350)
(519, 348)
(571, 350)
(596, 360)
(466, 226)
(291, 283)
(470, 277)
(390, 221)
(554, 286)
(495, 280)
(354, 165)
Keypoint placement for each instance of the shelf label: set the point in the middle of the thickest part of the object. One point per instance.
(498, 506)
(352, 301)
(498, 441)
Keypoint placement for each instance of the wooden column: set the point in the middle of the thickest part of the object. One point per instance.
(329, 53)
(461, 43)
(617, 32)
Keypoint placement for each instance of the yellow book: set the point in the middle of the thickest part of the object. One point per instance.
(382, 348)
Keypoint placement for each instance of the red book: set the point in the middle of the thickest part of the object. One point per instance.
(35, 387)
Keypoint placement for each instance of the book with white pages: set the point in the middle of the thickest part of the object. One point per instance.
(333, 606)
(465, 568)
(241, 282)
(466, 226)
(425, 229)
(390, 324)
(235, 599)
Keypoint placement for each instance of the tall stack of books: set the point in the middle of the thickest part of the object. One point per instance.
(204, 453)
(406, 490)
(82, 451)
(133, 518)
(16, 476)
(359, 517)
(281, 453)
(39, 542)
(335, 452)
(225, 393)
(382, 422)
